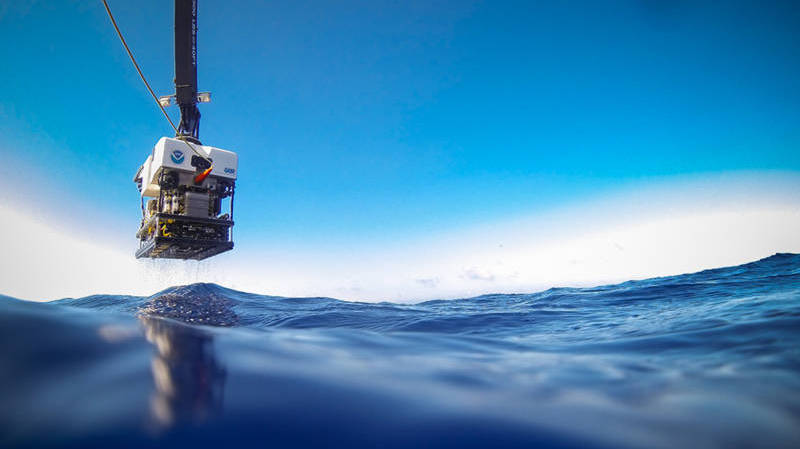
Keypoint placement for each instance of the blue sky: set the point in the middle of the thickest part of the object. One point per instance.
(367, 123)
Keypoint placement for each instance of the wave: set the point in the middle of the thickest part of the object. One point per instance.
(706, 359)
(681, 302)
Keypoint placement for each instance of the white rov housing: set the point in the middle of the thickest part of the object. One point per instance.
(186, 184)
(176, 154)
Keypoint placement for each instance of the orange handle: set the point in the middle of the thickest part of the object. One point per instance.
(202, 176)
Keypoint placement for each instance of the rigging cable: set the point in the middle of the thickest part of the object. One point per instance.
(141, 75)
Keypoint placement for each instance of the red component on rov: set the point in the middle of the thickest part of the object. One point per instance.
(199, 178)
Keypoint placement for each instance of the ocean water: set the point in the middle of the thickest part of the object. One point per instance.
(710, 359)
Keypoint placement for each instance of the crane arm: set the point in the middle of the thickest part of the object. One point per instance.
(186, 68)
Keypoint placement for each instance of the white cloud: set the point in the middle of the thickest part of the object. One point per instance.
(45, 262)
(672, 228)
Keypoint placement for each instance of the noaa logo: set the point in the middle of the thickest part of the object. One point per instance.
(177, 156)
(230, 170)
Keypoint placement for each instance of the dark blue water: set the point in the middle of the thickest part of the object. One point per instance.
(709, 359)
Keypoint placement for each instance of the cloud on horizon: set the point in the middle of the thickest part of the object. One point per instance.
(671, 228)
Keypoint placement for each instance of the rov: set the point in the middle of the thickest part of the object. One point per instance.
(183, 200)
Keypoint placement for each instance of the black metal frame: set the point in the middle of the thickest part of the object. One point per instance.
(159, 246)
(181, 248)
(162, 247)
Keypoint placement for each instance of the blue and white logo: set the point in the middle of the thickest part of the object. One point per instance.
(230, 170)
(177, 156)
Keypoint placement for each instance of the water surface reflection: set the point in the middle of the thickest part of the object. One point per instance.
(189, 380)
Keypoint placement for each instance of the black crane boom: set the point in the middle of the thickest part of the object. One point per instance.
(186, 69)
